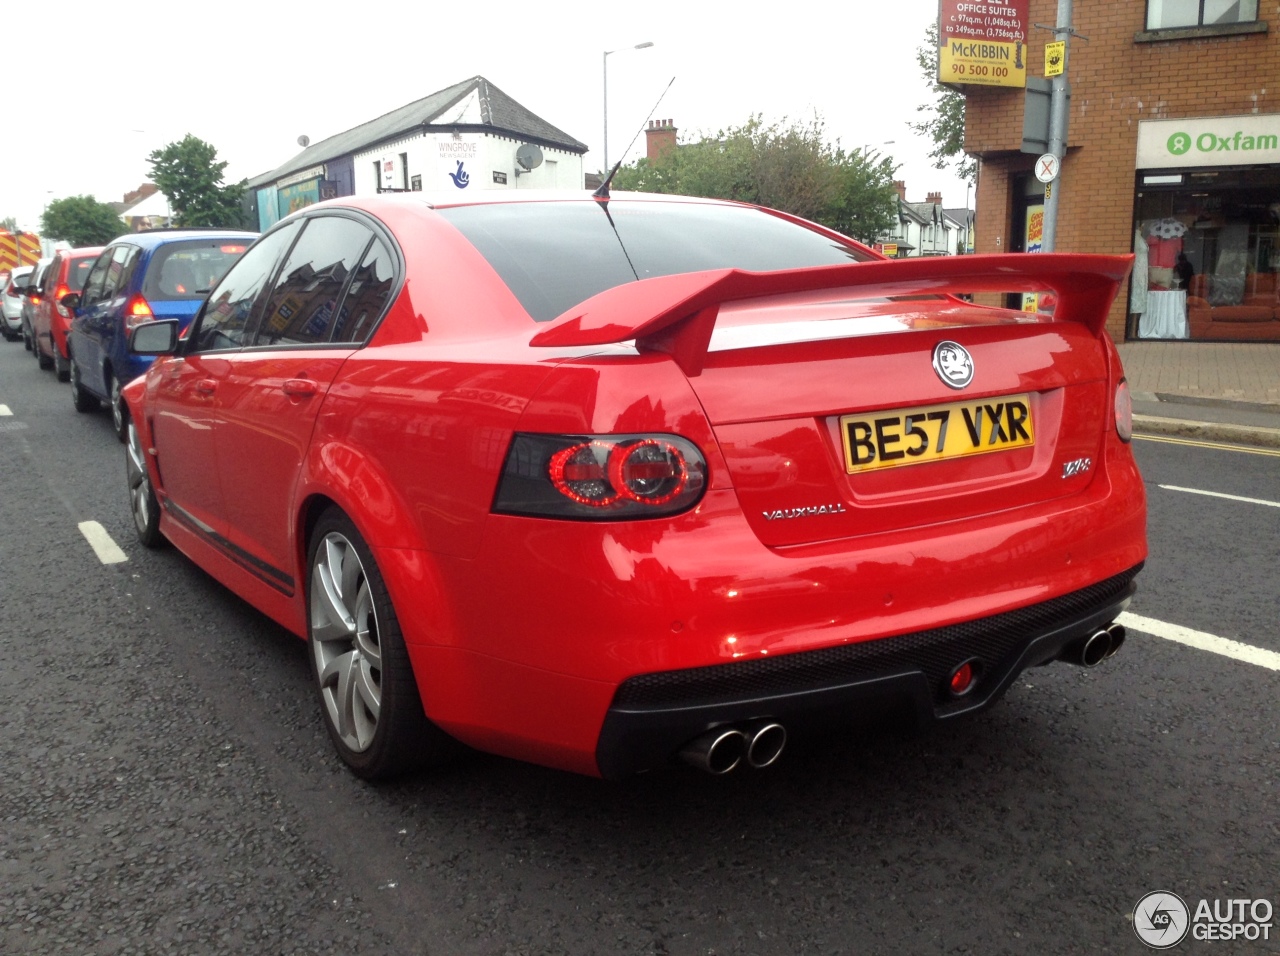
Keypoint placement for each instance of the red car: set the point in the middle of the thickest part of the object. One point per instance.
(602, 483)
(66, 274)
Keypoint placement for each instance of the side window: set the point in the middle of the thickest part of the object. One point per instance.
(367, 295)
(304, 302)
(94, 285)
(115, 281)
(230, 307)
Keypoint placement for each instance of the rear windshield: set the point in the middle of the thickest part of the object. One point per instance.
(190, 268)
(554, 255)
(79, 271)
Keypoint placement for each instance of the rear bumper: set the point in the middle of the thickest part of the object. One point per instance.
(654, 715)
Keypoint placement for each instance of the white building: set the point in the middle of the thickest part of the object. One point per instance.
(470, 135)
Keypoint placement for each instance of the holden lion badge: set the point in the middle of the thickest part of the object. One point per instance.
(953, 364)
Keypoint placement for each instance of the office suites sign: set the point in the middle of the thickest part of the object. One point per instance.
(1214, 141)
(983, 43)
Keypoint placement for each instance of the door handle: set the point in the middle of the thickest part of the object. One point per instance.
(299, 387)
(206, 386)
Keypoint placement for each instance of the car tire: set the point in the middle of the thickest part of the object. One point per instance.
(82, 400)
(119, 411)
(26, 339)
(142, 497)
(61, 368)
(368, 695)
(46, 361)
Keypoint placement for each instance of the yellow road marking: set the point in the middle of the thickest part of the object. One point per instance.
(1220, 446)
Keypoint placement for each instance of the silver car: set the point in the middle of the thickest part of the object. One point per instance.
(29, 301)
(11, 303)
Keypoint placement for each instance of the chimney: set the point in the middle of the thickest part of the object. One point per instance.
(901, 187)
(659, 138)
(935, 198)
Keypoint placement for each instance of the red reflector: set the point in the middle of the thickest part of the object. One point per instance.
(962, 679)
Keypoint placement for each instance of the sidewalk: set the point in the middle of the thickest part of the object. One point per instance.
(1217, 391)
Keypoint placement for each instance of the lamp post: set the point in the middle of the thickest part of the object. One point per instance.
(887, 142)
(638, 46)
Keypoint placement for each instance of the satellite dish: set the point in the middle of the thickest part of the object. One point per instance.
(304, 140)
(528, 157)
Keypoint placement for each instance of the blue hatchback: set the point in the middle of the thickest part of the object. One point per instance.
(139, 277)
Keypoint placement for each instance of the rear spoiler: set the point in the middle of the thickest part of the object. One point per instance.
(676, 314)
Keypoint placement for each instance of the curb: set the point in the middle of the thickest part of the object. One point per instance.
(1207, 431)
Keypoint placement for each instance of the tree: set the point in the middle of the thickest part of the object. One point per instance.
(945, 122)
(81, 221)
(189, 174)
(790, 167)
(9, 224)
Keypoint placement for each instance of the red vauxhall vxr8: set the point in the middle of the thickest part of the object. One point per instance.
(601, 483)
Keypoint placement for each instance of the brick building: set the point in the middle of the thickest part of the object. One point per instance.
(1173, 154)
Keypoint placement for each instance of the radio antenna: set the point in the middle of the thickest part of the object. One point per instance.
(603, 192)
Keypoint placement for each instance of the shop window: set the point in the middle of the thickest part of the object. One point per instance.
(1207, 258)
(1170, 14)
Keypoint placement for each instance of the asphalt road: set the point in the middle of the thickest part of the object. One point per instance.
(168, 787)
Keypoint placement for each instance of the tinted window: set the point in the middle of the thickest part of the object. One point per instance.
(367, 295)
(78, 272)
(230, 306)
(554, 255)
(304, 302)
(96, 282)
(190, 268)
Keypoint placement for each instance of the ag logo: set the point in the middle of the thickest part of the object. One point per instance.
(1161, 919)
(953, 364)
(1179, 143)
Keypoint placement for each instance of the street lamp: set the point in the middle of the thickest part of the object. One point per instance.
(887, 142)
(638, 46)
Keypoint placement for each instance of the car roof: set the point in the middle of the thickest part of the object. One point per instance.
(159, 237)
(485, 197)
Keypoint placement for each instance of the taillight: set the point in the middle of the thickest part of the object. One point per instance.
(1124, 411)
(136, 312)
(58, 293)
(602, 477)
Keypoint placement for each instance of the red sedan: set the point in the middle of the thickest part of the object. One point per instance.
(599, 484)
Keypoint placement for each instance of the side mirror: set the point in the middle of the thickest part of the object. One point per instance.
(71, 301)
(154, 338)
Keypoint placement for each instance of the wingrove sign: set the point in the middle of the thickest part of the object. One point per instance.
(1216, 141)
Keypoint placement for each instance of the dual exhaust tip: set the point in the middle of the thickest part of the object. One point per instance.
(723, 749)
(1097, 647)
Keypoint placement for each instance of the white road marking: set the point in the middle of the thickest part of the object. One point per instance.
(1219, 494)
(108, 551)
(5, 410)
(1202, 641)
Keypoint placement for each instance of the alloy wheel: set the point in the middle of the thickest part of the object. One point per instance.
(344, 642)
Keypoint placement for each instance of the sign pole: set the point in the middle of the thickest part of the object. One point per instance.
(1058, 107)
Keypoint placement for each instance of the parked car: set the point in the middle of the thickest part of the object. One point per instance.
(602, 484)
(30, 301)
(139, 277)
(51, 319)
(11, 302)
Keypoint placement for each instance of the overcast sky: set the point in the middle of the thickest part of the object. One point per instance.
(251, 77)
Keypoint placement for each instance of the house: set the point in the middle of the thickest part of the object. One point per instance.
(925, 228)
(470, 135)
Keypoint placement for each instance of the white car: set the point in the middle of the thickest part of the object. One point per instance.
(11, 302)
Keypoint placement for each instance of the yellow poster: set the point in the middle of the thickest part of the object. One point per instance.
(982, 43)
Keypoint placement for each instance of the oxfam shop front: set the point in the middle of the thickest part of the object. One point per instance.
(1207, 230)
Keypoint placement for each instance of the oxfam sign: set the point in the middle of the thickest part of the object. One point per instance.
(1216, 141)
(1181, 143)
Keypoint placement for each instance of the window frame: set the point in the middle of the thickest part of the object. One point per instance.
(1232, 26)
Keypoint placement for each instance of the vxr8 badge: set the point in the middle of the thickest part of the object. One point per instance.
(808, 512)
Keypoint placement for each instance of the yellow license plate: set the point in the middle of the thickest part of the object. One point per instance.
(909, 436)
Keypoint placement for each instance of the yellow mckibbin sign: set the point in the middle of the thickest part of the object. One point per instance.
(983, 42)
